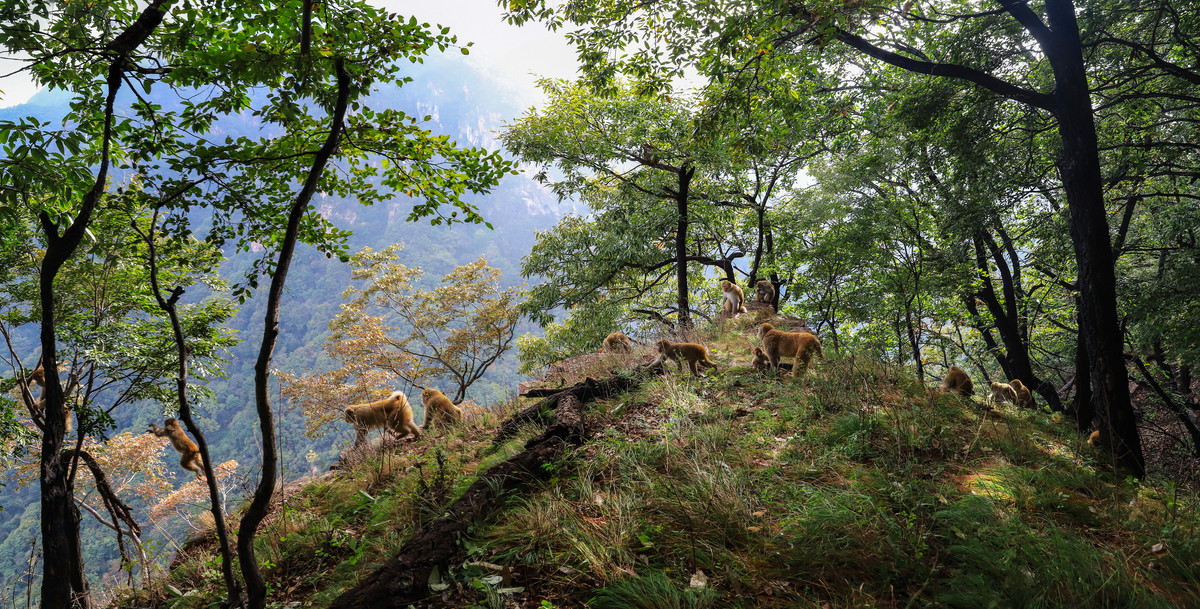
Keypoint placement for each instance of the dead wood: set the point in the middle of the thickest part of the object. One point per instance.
(403, 579)
(586, 391)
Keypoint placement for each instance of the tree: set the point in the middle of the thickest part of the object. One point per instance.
(455, 332)
(971, 48)
(298, 71)
(622, 154)
(110, 339)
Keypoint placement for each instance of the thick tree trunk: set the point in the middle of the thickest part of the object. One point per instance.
(256, 588)
(1079, 166)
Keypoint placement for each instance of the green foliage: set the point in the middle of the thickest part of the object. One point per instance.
(653, 591)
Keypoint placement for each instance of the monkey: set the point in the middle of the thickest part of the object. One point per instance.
(392, 413)
(695, 354)
(617, 342)
(957, 381)
(734, 300)
(766, 291)
(186, 447)
(38, 405)
(1003, 393)
(38, 375)
(1094, 439)
(778, 344)
(439, 408)
(760, 361)
(1023, 397)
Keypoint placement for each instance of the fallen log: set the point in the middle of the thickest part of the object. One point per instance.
(541, 392)
(586, 391)
(404, 578)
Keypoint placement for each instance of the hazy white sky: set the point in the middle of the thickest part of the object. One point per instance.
(514, 52)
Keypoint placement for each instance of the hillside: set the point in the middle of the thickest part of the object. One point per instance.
(466, 102)
(853, 486)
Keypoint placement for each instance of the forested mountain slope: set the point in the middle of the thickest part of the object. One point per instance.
(466, 101)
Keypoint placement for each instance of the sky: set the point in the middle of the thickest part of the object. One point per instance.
(521, 53)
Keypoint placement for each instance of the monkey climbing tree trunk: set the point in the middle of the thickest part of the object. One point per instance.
(686, 171)
(255, 585)
(232, 586)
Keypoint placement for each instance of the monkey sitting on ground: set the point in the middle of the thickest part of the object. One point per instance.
(392, 413)
(1094, 439)
(765, 291)
(1003, 393)
(695, 354)
(760, 361)
(958, 382)
(734, 300)
(778, 344)
(439, 408)
(617, 342)
(1024, 398)
(186, 447)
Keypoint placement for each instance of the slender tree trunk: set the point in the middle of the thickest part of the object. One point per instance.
(986, 333)
(255, 585)
(1008, 319)
(681, 230)
(758, 248)
(1079, 166)
(232, 586)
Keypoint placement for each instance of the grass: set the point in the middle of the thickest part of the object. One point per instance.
(852, 486)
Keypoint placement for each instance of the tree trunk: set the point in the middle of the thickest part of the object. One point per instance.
(1085, 409)
(681, 230)
(1079, 166)
(62, 559)
(1008, 318)
(255, 585)
(232, 587)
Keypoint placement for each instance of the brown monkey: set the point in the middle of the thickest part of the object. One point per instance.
(1003, 393)
(957, 381)
(392, 413)
(695, 354)
(617, 342)
(734, 301)
(779, 344)
(766, 291)
(186, 447)
(439, 408)
(1024, 399)
(38, 375)
(1094, 439)
(760, 361)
